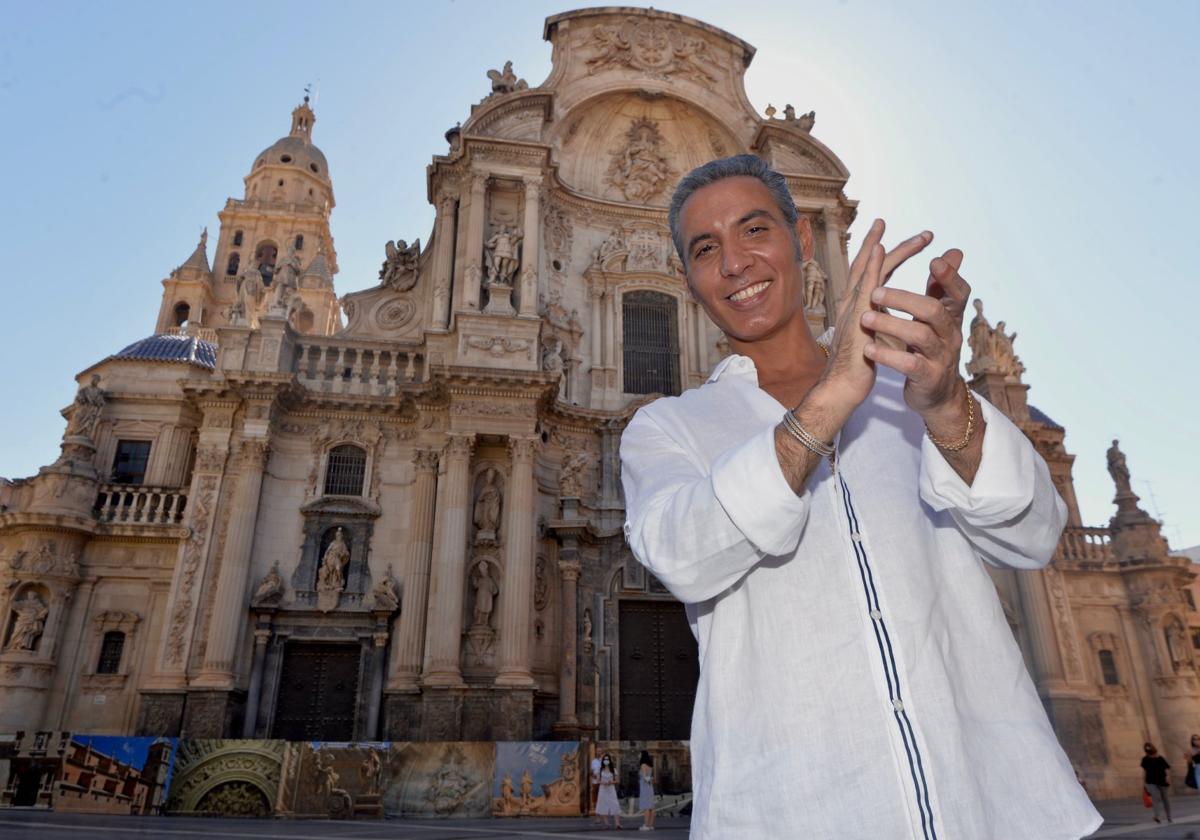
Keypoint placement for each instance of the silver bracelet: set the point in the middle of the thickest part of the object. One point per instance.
(806, 438)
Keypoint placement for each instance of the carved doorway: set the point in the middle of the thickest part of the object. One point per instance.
(318, 692)
(659, 669)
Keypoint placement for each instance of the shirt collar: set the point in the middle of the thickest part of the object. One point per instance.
(736, 364)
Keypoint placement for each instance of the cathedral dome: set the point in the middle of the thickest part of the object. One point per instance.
(295, 151)
(187, 349)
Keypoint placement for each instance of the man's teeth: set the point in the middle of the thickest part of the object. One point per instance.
(749, 291)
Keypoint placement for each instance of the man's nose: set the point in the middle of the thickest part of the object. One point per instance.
(734, 259)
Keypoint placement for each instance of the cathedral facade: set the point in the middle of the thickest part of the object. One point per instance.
(397, 514)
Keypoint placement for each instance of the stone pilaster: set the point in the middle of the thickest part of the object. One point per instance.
(408, 647)
(447, 581)
(443, 260)
(838, 270)
(530, 247)
(262, 636)
(476, 216)
(1048, 671)
(229, 611)
(568, 722)
(517, 589)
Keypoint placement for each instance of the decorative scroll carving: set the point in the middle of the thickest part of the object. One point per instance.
(559, 235)
(192, 555)
(541, 584)
(210, 459)
(1066, 624)
(498, 346)
(652, 47)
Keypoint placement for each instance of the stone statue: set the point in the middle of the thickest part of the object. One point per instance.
(640, 169)
(1118, 469)
(789, 113)
(370, 771)
(31, 614)
(331, 577)
(488, 505)
(771, 112)
(249, 292)
(506, 788)
(1002, 351)
(89, 403)
(486, 590)
(814, 287)
(552, 361)
(327, 777)
(587, 631)
(1177, 645)
(570, 475)
(286, 281)
(526, 788)
(805, 122)
(386, 593)
(980, 340)
(501, 255)
(270, 589)
(506, 81)
(399, 270)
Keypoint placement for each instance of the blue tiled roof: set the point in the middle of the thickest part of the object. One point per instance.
(1037, 415)
(172, 348)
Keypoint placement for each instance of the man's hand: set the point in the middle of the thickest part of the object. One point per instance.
(932, 339)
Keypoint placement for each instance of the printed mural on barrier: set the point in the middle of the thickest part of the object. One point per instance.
(224, 778)
(537, 778)
(106, 774)
(333, 780)
(672, 772)
(30, 765)
(450, 779)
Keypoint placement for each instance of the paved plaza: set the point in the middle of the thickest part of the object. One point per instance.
(1124, 818)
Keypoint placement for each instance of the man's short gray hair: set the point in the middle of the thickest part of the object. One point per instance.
(737, 166)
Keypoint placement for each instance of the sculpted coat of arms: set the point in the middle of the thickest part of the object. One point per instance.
(653, 47)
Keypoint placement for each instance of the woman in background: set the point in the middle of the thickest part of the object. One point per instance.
(646, 790)
(606, 803)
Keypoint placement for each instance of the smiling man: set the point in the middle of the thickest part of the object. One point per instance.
(824, 510)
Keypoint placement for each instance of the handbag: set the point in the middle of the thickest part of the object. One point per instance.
(1146, 800)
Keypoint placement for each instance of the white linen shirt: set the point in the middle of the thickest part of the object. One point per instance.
(858, 678)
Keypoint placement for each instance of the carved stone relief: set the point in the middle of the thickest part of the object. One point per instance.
(641, 167)
(652, 47)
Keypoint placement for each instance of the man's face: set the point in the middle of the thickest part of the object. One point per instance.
(742, 265)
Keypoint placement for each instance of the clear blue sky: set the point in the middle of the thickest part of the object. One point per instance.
(1055, 143)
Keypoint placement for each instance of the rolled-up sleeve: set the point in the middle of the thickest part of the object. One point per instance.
(1011, 512)
(699, 530)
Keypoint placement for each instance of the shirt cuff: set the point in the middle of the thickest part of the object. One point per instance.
(749, 484)
(1004, 483)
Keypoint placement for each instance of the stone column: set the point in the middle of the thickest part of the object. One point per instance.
(443, 261)
(838, 269)
(569, 568)
(375, 686)
(229, 610)
(409, 644)
(610, 326)
(447, 582)
(517, 589)
(597, 336)
(1048, 670)
(262, 636)
(476, 216)
(531, 247)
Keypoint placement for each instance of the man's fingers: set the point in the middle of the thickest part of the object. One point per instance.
(909, 333)
(874, 235)
(915, 368)
(922, 307)
(946, 284)
(905, 250)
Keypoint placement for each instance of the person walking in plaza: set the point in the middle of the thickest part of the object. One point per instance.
(595, 787)
(1192, 754)
(826, 511)
(1158, 780)
(607, 804)
(646, 790)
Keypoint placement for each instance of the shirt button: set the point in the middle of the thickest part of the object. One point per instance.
(876, 614)
(856, 537)
(898, 705)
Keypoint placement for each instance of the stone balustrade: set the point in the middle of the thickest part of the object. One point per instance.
(1085, 545)
(203, 333)
(136, 504)
(357, 367)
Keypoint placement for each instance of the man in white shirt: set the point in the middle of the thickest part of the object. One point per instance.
(857, 674)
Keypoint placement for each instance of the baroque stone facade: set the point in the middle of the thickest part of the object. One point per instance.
(406, 502)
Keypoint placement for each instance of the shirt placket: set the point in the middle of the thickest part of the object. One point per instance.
(884, 652)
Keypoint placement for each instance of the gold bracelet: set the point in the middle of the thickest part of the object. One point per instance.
(806, 438)
(966, 439)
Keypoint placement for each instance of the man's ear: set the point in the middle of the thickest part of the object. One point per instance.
(681, 273)
(804, 233)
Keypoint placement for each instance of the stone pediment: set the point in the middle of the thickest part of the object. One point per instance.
(383, 313)
(794, 152)
(512, 116)
(346, 506)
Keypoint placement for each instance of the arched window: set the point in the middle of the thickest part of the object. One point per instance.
(299, 241)
(264, 259)
(237, 239)
(344, 471)
(651, 339)
(1108, 668)
(182, 312)
(234, 260)
(111, 650)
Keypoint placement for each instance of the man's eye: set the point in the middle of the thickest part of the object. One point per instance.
(701, 251)
(756, 229)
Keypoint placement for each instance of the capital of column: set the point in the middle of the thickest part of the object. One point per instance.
(425, 460)
(459, 445)
(520, 448)
(380, 639)
(210, 458)
(830, 216)
(478, 183)
(262, 636)
(533, 186)
(255, 451)
(569, 569)
(446, 203)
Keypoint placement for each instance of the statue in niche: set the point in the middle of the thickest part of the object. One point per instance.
(506, 81)
(332, 577)
(244, 311)
(814, 287)
(501, 254)
(386, 593)
(552, 362)
(1118, 468)
(270, 589)
(286, 281)
(488, 505)
(486, 590)
(1177, 646)
(89, 403)
(587, 631)
(399, 270)
(640, 169)
(31, 612)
